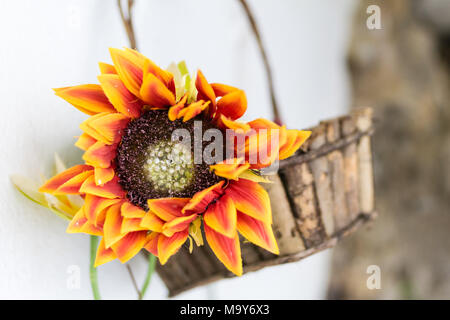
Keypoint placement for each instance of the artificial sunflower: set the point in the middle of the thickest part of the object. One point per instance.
(143, 190)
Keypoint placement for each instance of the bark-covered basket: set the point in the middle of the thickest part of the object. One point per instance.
(319, 195)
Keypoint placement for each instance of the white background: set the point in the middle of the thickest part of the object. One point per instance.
(47, 44)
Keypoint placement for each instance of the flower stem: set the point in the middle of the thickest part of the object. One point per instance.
(150, 270)
(93, 270)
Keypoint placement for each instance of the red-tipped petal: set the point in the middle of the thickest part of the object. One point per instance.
(129, 210)
(227, 250)
(167, 208)
(122, 99)
(129, 67)
(168, 246)
(112, 226)
(54, 183)
(110, 190)
(233, 105)
(104, 255)
(221, 216)
(177, 225)
(155, 93)
(205, 91)
(200, 200)
(250, 198)
(257, 232)
(88, 98)
(130, 245)
(100, 155)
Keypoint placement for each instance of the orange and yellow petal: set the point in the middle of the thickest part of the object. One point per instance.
(167, 208)
(90, 228)
(200, 200)
(174, 110)
(152, 243)
(221, 216)
(155, 93)
(239, 127)
(168, 246)
(123, 100)
(112, 226)
(205, 91)
(110, 190)
(129, 67)
(103, 175)
(129, 210)
(130, 245)
(230, 169)
(193, 110)
(104, 255)
(89, 98)
(131, 224)
(100, 155)
(152, 222)
(73, 186)
(77, 222)
(80, 224)
(85, 126)
(257, 232)
(221, 89)
(178, 224)
(94, 206)
(233, 105)
(295, 139)
(163, 75)
(106, 68)
(227, 250)
(54, 183)
(85, 141)
(250, 198)
(110, 126)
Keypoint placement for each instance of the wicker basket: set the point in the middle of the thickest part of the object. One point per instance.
(319, 195)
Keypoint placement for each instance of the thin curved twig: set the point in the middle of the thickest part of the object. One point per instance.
(133, 280)
(128, 22)
(251, 20)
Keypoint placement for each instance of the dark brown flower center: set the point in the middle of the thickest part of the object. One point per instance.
(150, 165)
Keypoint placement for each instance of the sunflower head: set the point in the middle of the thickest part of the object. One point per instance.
(142, 181)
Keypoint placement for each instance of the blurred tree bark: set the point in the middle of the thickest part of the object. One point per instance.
(402, 71)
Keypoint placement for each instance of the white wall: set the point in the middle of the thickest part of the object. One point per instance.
(47, 44)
